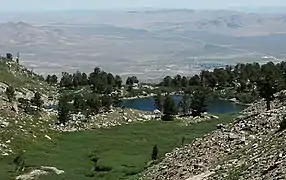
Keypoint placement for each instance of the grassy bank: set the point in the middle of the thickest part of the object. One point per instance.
(121, 151)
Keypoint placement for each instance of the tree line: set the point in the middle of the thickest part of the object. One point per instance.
(250, 81)
(193, 102)
(244, 77)
(245, 82)
(98, 80)
(89, 103)
(103, 93)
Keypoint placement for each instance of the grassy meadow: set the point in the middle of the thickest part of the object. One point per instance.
(122, 151)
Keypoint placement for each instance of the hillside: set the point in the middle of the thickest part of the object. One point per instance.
(112, 142)
(22, 123)
(21, 33)
(33, 145)
(20, 77)
(19, 128)
(252, 147)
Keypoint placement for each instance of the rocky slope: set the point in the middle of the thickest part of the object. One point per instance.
(249, 148)
(115, 117)
(18, 128)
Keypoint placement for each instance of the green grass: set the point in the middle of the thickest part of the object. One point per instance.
(126, 149)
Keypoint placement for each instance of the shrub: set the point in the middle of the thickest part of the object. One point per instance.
(10, 92)
(283, 124)
(183, 141)
(155, 151)
(26, 106)
(245, 97)
(20, 163)
(167, 118)
(89, 174)
(132, 172)
(100, 168)
(37, 100)
(169, 108)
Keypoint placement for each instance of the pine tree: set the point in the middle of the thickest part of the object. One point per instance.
(66, 80)
(10, 92)
(169, 108)
(155, 152)
(267, 87)
(283, 123)
(63, 115)
(118, 81)
(159, 101)
(54, 79)
(94, 103)
(185, 104)
(79, 103)
(199, 100)
(64, 109)
(117, 102)
(37, 100)
(48, 79)
(106, 102)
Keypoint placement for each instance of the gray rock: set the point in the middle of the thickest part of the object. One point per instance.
(250, 146)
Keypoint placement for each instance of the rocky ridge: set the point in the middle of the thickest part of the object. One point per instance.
(249, 148)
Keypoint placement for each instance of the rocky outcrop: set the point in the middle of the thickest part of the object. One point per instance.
(249, 148)
(17, 125)
(115, 117)
(36, 173)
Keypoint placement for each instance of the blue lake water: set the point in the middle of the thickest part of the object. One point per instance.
(216, 106)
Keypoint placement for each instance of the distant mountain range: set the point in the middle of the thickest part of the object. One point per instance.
(262, 10)
(21, 33)
(148, 43)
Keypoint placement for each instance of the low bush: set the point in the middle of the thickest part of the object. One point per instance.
(167, 118)
(283, 124)
(100, 168)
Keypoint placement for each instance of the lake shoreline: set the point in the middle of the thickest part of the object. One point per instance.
(236, 101)
(217, 106)
(233, 100)
(147, 96)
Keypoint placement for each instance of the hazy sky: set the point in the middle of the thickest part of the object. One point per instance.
(32, 5)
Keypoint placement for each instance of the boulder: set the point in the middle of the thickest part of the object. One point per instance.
(220, 126)
(54, 169)
(157, 111)
(35, 174)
